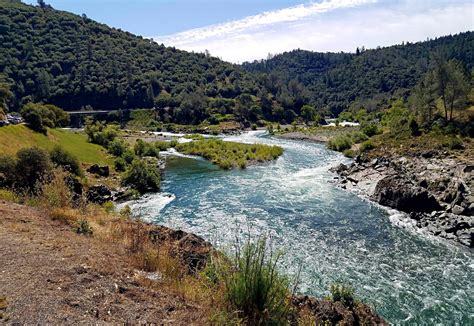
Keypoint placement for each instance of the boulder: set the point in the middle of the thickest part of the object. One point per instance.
(401, 194)
(102, 171)
(99, 194)
(192, 250)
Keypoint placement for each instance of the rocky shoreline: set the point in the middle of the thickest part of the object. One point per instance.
(435, 192)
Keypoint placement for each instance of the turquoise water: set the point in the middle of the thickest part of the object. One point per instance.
(332, 234)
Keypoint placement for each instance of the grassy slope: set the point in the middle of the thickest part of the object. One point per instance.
(13, 138)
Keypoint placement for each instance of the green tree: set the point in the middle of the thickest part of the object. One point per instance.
(33, 165)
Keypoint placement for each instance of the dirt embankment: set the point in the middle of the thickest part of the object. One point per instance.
(51, 275)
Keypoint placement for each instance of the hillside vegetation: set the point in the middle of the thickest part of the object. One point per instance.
(14, 138)
(74, 62)
(368, 78)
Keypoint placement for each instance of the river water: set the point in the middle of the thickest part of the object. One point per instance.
(331, 234)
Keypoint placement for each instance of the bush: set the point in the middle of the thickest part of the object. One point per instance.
(370, 129)
(366, 146)
(117, 147)
(453, 143)
(100, 133)
(358, 137)
(84, 228)
(60, 157)
(9, 195)
(340, 143)
(343, 293)
(254, 126)
(7, 171)
(254, 288)
(39, 116)
(414, 128)
(120, 164)
(54, 193)
(128, 156)
(142, 177)
(33, 164)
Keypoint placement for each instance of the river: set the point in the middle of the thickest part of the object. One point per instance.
(332, 234)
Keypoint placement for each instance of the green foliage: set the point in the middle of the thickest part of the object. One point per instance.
(230, 154)
(120, 164)
(74, 62)
(453, 142)
(142, 177)
(117, 147)
(84, 228)
(342, 293)
(340, 143)
(101, 133)
(254, 288)
(370, 129)
(358, 137)
(366, 146)
(32, 165)
(39, 116)
(7, 171)
(60, 157)
(414, 128)
(373, 77)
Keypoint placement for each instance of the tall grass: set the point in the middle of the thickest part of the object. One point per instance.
(254, 289)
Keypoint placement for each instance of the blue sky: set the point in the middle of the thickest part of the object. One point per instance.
(163, 17)
(246, 30)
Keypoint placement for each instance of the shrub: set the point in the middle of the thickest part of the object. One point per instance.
(358, 137)
(33, 164)
(366, 146)
(254, 288)
(7, 171)
(54, 192)
(84, 228)
(453, 142)
(254, 126)
(342, 293)
(109, 207)
(349, 153)
(60, 157)
(39, 116)
(9, 195)
(142, 177)
(340, 143)
(117, 147)
(100, 133)
(120, 164)
(128, 156)
(414, 128)
(162, 145)
(371, 129)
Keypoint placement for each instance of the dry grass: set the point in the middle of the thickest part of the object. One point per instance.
(3, 307)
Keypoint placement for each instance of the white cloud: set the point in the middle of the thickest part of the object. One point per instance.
(331, 25)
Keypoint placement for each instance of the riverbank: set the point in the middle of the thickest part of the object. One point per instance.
(126, 272)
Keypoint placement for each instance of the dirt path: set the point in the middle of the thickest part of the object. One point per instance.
(51, 275)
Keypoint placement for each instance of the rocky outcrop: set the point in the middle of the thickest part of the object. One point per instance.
(436, 192)
(192, 250)
(102, 171)
(329, 312)
(400, 193)
(99, 194)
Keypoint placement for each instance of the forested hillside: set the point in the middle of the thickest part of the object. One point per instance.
(59, 58)
(73, 62)
(335, 80)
